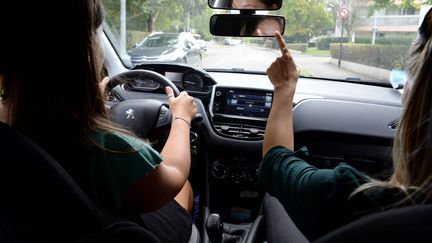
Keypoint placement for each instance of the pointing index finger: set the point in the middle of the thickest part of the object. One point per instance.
(281, 42)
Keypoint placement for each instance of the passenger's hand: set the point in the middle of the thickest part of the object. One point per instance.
(102, 86)
(283, 71)
(183, 106)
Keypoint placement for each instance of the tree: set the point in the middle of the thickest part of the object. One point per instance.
(305, 19)
(354, 7)
(152, 9)
(144, 16)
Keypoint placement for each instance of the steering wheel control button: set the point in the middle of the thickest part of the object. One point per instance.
(217, 107)
(164, 117)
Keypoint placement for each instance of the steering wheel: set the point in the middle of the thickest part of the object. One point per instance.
(139, 115)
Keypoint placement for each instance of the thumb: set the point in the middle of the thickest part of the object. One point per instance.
(103, 84)
(169, 91)
(105, 80)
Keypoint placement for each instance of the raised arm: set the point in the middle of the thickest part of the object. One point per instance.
(283, 74)
(165, 182)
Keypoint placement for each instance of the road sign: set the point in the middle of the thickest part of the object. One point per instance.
(344, 13)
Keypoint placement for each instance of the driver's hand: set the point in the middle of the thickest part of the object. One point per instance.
(283, 71)
(182, 106)
(102, 86)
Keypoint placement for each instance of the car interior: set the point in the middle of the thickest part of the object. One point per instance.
(338, 120)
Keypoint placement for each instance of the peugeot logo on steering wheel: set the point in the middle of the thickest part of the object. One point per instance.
(130, 114)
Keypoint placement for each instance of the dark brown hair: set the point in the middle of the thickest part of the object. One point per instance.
(59, 99)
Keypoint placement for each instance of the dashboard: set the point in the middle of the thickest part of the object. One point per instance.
(192, 79)
(235, 106)
(337, 121)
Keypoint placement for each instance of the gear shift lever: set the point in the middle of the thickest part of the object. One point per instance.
(214, 227)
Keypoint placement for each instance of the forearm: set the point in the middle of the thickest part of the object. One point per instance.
(161, 185)
(176, 152)
(279, 129)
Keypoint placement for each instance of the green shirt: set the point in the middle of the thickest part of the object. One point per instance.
(316, 199)
(106, 171)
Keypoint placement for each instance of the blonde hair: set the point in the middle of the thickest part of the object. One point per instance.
(412, 145)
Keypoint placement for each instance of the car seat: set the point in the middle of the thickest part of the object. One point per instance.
(40, 202)
(406, 224)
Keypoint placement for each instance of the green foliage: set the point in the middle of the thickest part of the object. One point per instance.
(315, 52)
(381, 56)
(391, 40)
(323, 43)
(134, 37)
(152, 15)
(200, 23)
(305, 18)
(298, 46)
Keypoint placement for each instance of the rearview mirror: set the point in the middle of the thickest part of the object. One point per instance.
(246, 4)
(246, 25)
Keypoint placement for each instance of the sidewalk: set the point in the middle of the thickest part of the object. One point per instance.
(320, 66)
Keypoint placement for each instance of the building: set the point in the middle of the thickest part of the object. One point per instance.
(392, 21)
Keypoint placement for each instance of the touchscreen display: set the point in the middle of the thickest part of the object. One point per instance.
(242, 102)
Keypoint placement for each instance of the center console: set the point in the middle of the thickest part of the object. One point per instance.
(234, 191)
(240, 113)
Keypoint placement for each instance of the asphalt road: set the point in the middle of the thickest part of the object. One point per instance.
(240, 56)
(256, 58)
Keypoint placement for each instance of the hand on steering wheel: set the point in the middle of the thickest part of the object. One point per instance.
(144, 115)
(103, 85)
(182, 107)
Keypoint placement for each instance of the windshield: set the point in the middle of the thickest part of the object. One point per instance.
(334, 39)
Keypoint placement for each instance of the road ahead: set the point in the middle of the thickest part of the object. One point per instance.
(240, 56)
(258, 59)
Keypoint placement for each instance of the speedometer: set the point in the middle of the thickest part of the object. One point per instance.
(192, 82)
(144, 84)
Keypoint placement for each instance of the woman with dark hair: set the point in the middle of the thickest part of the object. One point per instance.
(321, 200)
(60, 106)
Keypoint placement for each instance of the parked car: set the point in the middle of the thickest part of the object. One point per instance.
(201, 42)
(167, 47)
(232, 42)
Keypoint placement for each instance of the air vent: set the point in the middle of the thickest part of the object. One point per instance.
(128, 86)
(394, 124)
(240, 131)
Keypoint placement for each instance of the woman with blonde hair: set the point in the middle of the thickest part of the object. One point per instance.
(321, 200)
